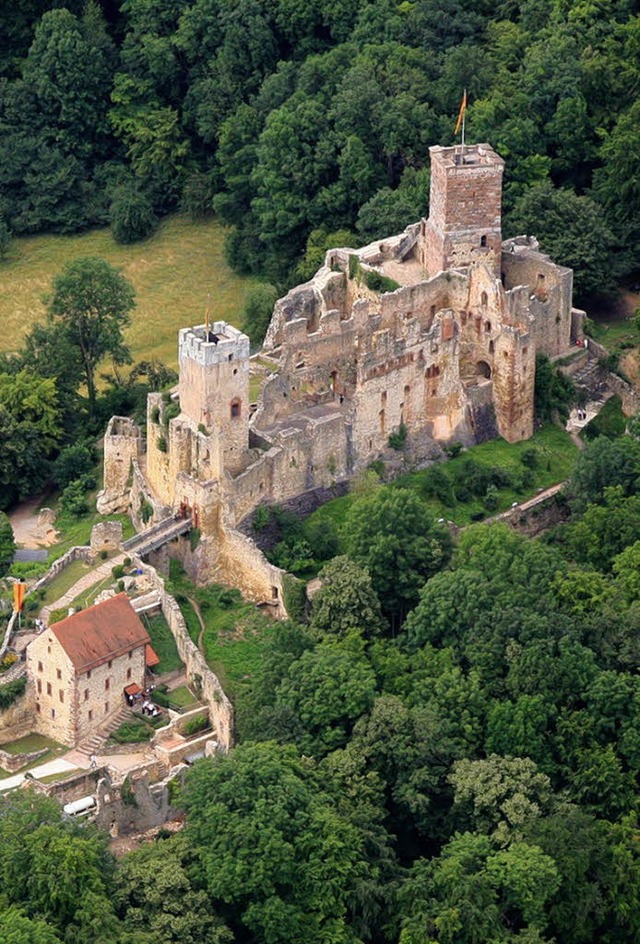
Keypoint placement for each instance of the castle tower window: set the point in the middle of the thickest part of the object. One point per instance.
(491, 347)
(433, 310)
(230, 357)
(407, 390)
(382, 421)
(90, 714)
(48, 688)
(484, 299)
(383, 398)
(106, 707)
(53, 713)
(235, 409)
(483, 369)
(487, 326)
(274, 593)
(483, 242)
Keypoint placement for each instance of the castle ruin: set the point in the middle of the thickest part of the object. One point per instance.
(435, 330)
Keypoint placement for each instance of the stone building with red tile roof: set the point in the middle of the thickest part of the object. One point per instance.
(80, 667)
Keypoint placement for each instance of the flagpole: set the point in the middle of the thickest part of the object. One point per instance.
(464, 115)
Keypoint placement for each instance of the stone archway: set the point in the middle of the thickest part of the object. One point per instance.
(483, 370)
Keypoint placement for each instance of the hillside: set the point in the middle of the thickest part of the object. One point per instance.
(172, 272)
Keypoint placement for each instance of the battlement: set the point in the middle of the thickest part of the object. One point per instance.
(220, 344)
(469, 155)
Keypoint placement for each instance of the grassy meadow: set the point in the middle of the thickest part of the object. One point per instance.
(172, 273)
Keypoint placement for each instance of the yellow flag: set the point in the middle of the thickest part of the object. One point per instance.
(463, 108)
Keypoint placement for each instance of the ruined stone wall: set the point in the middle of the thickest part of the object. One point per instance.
(513, 384)
(105, 536)
(142, 495)
(17, 719)
(122, 444)
(243, 565)
(549, 296)
(197, 671)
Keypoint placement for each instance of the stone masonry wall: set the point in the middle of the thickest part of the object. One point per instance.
(198, 672)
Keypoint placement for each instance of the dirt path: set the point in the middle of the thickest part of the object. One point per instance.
(196, 610)
(32, 528)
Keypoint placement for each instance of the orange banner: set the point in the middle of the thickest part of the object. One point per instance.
(19, 590)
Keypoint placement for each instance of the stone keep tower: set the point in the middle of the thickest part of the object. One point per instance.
(214, 390)
(464, 224)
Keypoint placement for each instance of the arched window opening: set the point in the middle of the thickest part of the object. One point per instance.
(236, 409)
(484, 299)
(483, 242)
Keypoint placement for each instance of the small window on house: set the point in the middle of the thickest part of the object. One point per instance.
(86, 694)
(106, 685)
(48, 688)
(383, 398)
(483, 242)
(89, 674)
(235, 371)
(53, 713)
(230, 357)
(39, 686)
(39, 666)
(109, 663)
(491, 347)
(61, 695)
(130, 653)
(235, 409)
(106, 707)
(90, 714)
(484, 299)
(59, 673)
(487, 326)
(49, 649)
(128, 674)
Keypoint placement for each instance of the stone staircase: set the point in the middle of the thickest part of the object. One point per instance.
(155, 537)
(17, 670)
(589, 375)
(95, 742)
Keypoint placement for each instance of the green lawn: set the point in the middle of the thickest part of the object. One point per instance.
(235, 630)
(163, 643)
(617, 334)
(183, 697)
(610, 421)
(557, 454)
(191, 619)
(172, 273)
(64, 581)
(28, 744)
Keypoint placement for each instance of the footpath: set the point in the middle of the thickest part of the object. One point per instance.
(88, 580)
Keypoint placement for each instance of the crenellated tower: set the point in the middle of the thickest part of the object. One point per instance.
(464, 224)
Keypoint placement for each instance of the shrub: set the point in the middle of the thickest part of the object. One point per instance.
(257, 311)
(195, 725)
(529, 458)
(146, 510)
(398, 438)
(73, 462)
(491, 498)
(261, 518)
(171, 410)
(11, 692)
(104, 554)
(452, 449)
(28, 569)
(127, 562)
(9, 659)
(132, 216)
(118, 571)
(132, 731)
(294, 594)
(74, 500)
(354, 267)
(194, 538)
(197, 195)
(155, 415)
(380, 283)
(162, 443)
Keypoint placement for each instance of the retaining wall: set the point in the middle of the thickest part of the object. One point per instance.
(205, 682)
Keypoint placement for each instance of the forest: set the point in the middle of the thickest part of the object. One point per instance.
(442, 749)
(302, 123)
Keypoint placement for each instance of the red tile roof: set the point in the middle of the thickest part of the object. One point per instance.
(150, 656)
(100, 633)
